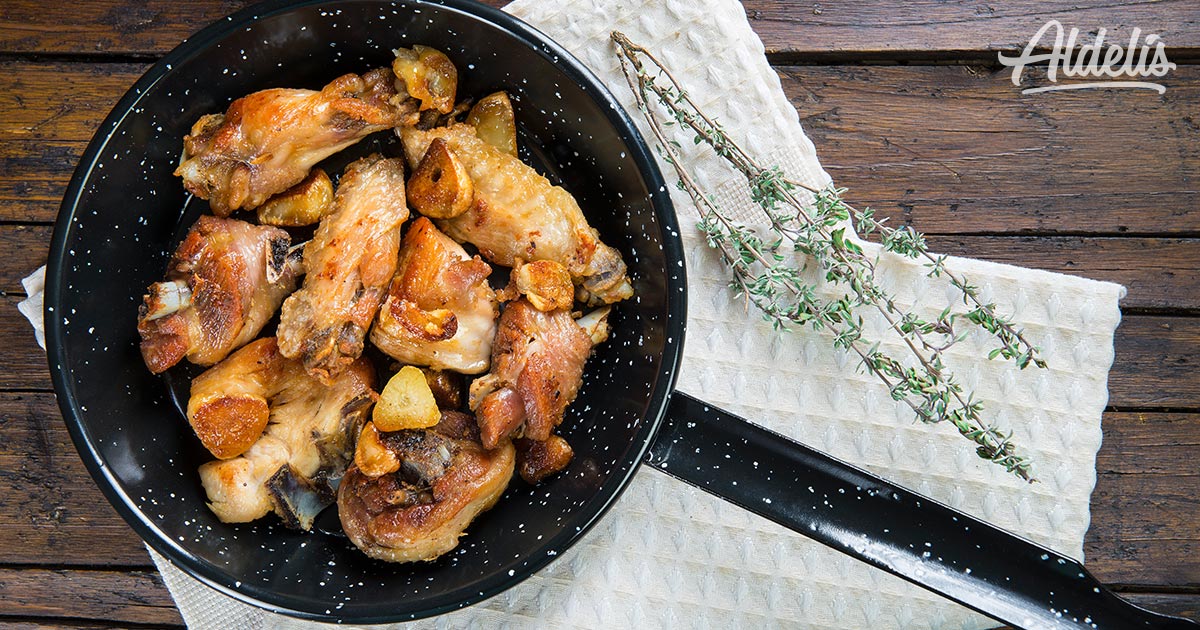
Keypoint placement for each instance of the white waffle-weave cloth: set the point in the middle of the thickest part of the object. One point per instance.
(671, 556)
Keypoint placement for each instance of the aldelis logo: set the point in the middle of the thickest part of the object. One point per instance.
(1121, 65)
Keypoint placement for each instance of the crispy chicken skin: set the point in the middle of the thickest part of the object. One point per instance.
(293, 437)
(518, 214)
(266, 142)
(349, 261)
(537, 460)
(226, 279)
(537, 368)
(440, 311)
(446, 479)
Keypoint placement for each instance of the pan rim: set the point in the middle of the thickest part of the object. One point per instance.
(265, 598)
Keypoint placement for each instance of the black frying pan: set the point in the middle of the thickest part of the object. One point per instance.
(121, 218)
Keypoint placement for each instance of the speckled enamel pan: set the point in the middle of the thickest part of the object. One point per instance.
(124, 212)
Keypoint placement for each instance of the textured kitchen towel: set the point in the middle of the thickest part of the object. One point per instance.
(670, 556)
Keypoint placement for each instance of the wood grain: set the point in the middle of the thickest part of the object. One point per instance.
(1180, 604)
(960, 150)
(47, 499)
(1099, 184)
(48, 113)
(25, 366)
(107, 26)
(122, 597)
(1165, 279)
(1157, 362)
(949, 150)
(1143, 531)
(959, 29)
(1144, 506)
(75, 624)
(1159, 272)
(24, 248)
(828, 30)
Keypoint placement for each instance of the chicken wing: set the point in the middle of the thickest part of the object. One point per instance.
(518, 214)
(445, 479)
(349, 262)
(224, 282)
(284, 439)
(440, 311)
(266, 142)
(537, 368)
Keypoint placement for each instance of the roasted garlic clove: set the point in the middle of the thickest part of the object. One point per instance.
(440, 186)
(371, 456)
(302, 204)
(428, 76)
(406, 403)
(495, 122)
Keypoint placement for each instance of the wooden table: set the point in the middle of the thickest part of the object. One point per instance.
(908, 108)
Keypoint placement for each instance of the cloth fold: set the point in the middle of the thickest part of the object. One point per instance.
(668, 555)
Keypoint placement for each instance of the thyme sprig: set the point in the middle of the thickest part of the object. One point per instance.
(767, 276)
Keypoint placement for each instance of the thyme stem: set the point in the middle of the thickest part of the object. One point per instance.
(763, 274)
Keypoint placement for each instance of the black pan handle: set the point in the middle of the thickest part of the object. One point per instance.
(948, 552)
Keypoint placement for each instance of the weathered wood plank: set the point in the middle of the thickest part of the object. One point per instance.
(71, 624)
(52, 512)
(113, 596)
(1145, 504)
(1157, 363)
(109, 26)
(1159, 272)
(24, 248)
(845, 29)
(1180, 604)
(949, 150)
(1145, 473)
(1157, 360)
(931, 29)
(48, 112)
(60, 101)
(140, 597)
(24, 362)
(955, 149)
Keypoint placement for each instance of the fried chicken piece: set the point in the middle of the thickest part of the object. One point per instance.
(447, 387)
(545, 283)
(349, 261)
(418, 512)
(518, 214)
(537, 460)
(293, 466)
(440, 311)
(266, 142)
(537, 368)
(223, 284)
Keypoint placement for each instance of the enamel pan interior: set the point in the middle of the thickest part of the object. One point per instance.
(124, 212)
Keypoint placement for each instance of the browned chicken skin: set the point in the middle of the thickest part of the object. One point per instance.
(537, 368)
(284, 439)
(446, 478)
(267, 141)
(223, 284)
(518, 215)
(440, 311)
(538, 459)
(349, 261)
